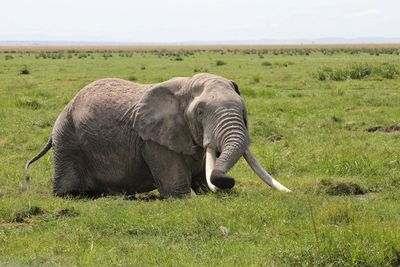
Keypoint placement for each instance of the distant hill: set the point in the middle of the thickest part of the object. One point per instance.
(326, 40)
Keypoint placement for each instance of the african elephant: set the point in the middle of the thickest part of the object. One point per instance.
(181, 134)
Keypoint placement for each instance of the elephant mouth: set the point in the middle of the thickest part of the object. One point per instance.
(211, 156)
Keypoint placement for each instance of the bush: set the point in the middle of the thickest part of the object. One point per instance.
(132, 78)
(283, 63)
(220, 63)
(339, 74)
(255, 79)
(24, 71)
(388, 71)
(266, 63)
(8, 57)
(107, 55)
(359, 71)
(82, 55)
(200, 70)
(321, 75)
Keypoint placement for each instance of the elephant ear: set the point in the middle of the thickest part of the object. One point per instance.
(159, 117)
(235, 86)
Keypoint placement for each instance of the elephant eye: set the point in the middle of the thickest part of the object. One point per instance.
(200, 113)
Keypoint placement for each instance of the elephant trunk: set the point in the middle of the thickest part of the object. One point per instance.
(231, 151)
(231, 140)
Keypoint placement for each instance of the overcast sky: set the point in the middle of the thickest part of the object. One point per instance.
(196, 20)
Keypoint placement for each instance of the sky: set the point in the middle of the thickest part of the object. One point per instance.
(196, 20)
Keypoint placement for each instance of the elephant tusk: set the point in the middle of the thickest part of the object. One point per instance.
(210, 163)
(259, 170)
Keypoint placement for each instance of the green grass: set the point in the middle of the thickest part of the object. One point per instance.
(310, 133)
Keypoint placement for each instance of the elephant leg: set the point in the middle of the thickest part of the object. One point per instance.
(169, 169)
(67, 177)
(199, 182)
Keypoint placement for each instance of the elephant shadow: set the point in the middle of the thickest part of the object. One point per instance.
(145, 197)
(149, 197)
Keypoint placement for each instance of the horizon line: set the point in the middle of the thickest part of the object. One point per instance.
(297, 41)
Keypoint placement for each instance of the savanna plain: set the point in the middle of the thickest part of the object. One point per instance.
(324, 121)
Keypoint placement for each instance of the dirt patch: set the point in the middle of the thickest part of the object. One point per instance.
(340, 188)
(66, 213)
(386, 129)
(396, 257)
(275, 138)
(21, 216)
(147, 197)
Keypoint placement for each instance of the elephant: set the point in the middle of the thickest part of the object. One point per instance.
(180, 136)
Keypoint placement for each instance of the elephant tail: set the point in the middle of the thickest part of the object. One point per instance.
(35, 158)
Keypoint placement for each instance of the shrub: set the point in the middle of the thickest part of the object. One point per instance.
(220, 63)
(322, 75)
(336, 119)
(283, 63)
(255, 78)
(295, 95)
(388, 71)
(132, 78)
(107, 55)
(82, 55)
(359, 71)
(24, 71)
(266, 63)
(200, 70)
(339, 74)
(8, 57)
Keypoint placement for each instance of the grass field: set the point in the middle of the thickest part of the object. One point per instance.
(324, 122)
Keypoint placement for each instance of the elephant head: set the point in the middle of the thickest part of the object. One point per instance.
(203, 111)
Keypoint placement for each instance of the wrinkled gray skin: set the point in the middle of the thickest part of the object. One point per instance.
(118, 136)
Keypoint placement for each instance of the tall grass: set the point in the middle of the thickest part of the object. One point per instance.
(357, 72)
